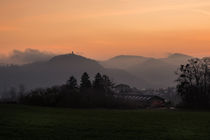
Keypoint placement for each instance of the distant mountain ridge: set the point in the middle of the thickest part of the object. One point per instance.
(159, 72)
(123, 61)
(57, 70)
(136, 71)
(178, 55)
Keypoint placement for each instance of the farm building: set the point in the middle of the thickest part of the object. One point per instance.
(142, 101)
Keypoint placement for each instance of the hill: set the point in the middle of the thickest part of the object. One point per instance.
(57, 70)
(136, 71)
(158, 72)
(123, 61)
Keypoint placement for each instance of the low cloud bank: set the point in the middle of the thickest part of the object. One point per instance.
(26, 56)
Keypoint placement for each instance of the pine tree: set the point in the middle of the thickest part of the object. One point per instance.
(85, 81)
(72, 83)
(98, 82)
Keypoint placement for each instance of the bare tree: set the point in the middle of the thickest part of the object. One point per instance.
(194, 82)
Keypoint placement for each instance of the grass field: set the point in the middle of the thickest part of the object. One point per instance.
(36, 123)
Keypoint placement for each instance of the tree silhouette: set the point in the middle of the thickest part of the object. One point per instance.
(72, 83)
(69, 95)
(194, 83)
(98, 82)
(85, 81)
(102, 83)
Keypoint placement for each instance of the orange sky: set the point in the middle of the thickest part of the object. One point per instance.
(104, 28)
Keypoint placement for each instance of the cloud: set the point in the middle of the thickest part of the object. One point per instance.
(26, 56)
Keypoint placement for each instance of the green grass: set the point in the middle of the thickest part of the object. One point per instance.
(25, 122)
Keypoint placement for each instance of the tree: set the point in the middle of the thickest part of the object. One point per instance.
(98, 82)
(107, 83)
(72, 83)
(194, 83)
(102, 83)
(85, 82)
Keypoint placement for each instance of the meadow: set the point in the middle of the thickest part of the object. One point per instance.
(18, 122)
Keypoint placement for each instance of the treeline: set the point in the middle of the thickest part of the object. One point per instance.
(88, 94)
(194, 83)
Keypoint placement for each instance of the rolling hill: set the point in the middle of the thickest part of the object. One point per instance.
(158, 72)
(136, 71)
(57, 70)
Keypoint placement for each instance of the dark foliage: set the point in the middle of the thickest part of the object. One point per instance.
(194, 83)
(102, 83)
(85, 82)
(100, 95)
(72, 83)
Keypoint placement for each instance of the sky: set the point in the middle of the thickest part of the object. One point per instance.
(104, 28)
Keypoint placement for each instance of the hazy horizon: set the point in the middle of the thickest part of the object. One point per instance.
(33, 55)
